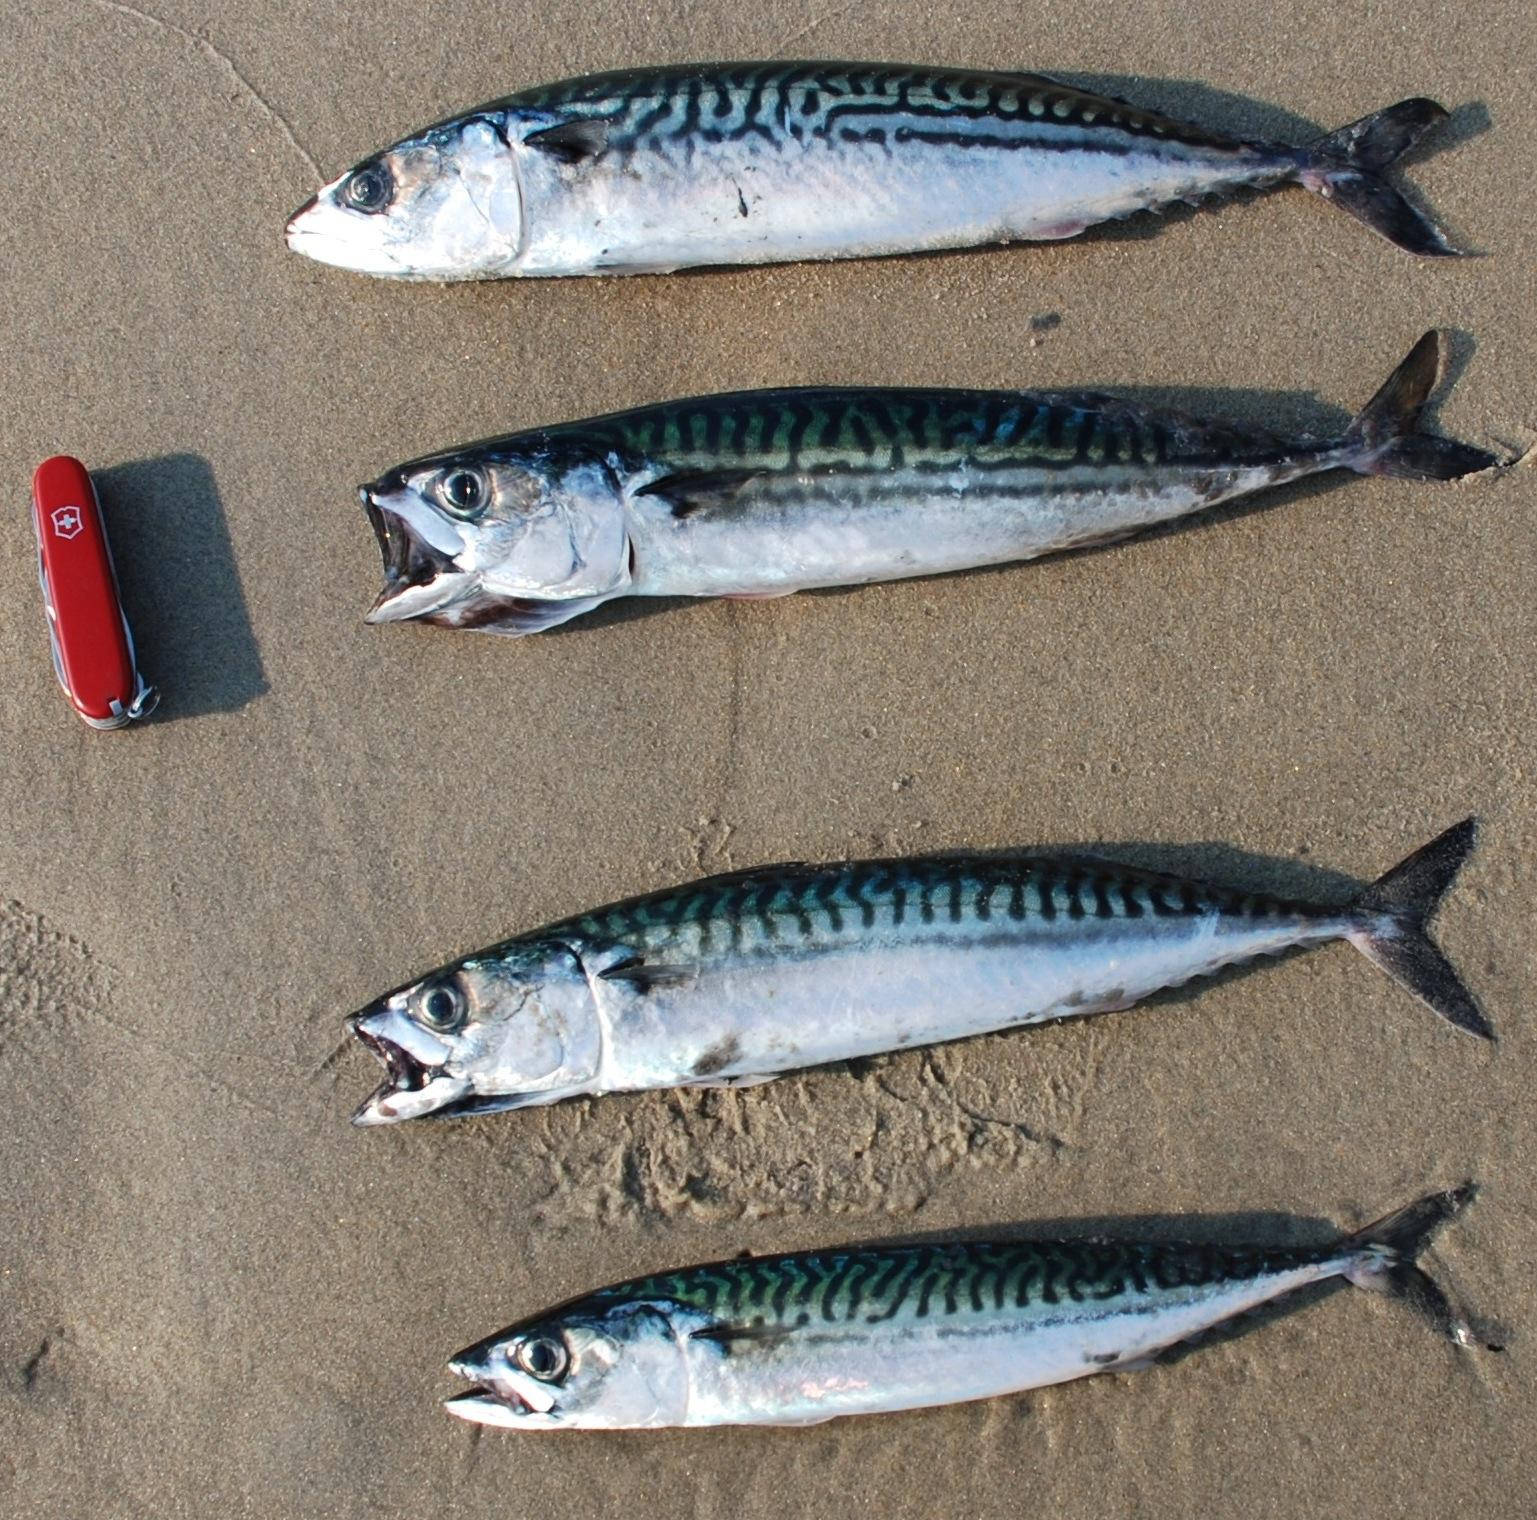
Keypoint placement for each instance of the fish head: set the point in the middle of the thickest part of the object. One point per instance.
(445, 204)
(589, 1366)
(511, 1027)
(508, 535)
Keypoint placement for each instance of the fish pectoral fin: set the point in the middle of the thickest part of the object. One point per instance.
(788, 1420)
(1118, 1361)
(644, 977)
(734, 1339)
(750, 1079)
(1058, 231)
(571, 141)
(690, 492)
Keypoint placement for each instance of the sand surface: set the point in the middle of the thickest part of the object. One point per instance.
(218, 1298)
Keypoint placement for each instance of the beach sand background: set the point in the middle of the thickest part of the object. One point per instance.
(217, 1297)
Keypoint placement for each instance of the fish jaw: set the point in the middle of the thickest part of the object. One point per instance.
(546, 540)
(511, 1029)
(419, 551)
(415, 1082)
(323, 230)
(618, 1367)
(501, 1395)
(481, 1407)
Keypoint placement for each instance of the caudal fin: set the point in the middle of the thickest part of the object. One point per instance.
(1385, 439)
(1391, 919)
(1346, 167)
(1385, 1252)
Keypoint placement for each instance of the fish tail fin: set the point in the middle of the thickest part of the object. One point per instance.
(1383, 1259)
(1346, 167)
(1390, 927)
(1384, 439)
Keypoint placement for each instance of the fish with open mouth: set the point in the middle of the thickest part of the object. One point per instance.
(796, 1340)
(650, 170)
(734, 980)
(768, 492)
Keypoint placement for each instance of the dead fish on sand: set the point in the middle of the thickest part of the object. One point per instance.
(767, 492)
(649, 170)
(737, 979)
(795, 1340)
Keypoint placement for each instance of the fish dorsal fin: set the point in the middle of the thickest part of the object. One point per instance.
(571, 141)
(691, 492)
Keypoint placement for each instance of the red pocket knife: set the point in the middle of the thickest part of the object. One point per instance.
(92, 647)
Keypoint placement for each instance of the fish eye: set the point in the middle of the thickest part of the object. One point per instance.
(441, 1006)
(463, 491)
(543, 1357)
(369, 189)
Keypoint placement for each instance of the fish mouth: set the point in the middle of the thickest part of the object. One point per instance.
(482, 1406)
(403, 1072)
(407, 559)
(506, 1398)
(420, 579)
(330, 234)
(298, 227)
(414, 1085)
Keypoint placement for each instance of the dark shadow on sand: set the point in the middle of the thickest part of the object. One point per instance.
(180, 585)
(1266, 1228)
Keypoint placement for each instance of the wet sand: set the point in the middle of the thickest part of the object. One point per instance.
(218, 1297)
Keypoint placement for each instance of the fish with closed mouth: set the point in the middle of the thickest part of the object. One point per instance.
(649, 170)
(763, 493)
(734, 980)
(796, 1340)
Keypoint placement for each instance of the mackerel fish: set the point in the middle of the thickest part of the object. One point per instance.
(650, 170)
(732, 981)
(764, 493)
(796, 1340)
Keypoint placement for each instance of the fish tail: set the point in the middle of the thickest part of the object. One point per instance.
(1383, 1259)
(1385, 439)
(1346, 167)
(1390, 929)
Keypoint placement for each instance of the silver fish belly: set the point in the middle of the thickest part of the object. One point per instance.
(734, 980)
(768, 492)
(795, 1340)
(743, 163)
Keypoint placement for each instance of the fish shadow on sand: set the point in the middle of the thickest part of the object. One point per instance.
(1220, 865)
(1268, 1228)
(1296, 415)
(181, 589)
